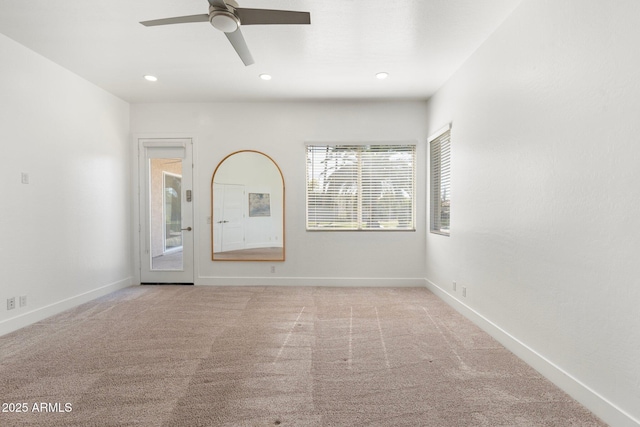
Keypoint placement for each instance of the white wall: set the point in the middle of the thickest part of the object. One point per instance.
(280, 130)
(66, 234)
(545, 218)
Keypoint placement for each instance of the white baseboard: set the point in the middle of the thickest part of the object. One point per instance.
(589, 398)
(312, 281)
(42, 313)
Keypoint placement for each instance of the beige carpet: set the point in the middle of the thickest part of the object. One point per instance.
(210, 356)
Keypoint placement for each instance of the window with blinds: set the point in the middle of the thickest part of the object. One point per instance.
(440, 161)
(361, 187)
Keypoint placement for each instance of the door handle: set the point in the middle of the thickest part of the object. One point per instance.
(186, 229)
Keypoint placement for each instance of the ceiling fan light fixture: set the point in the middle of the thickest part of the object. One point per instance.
(265, 76)
(382, 75)
(150, 78)
(224, 21)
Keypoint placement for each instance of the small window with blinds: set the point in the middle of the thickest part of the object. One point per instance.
(361, 187)
(440, 162)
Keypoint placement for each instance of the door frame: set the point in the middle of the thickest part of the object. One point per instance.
(187, 275)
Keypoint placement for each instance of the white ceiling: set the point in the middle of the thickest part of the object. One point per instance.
(420, 43)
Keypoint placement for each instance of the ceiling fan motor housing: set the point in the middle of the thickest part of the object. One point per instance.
(224, 20)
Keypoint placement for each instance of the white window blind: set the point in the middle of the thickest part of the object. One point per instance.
(440, 155)
(361, 187)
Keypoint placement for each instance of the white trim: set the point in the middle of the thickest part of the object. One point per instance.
(360, 142)
(599, 405)
(42, 313)
(439, 132)
(369, 282)
(168, 142)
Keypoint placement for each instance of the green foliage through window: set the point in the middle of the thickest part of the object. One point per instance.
(361, 187)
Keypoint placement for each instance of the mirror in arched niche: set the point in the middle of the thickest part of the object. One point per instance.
(247, 208)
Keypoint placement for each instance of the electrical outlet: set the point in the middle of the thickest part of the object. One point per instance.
(24, 178)
(273, 268)
(454, 286)
(23, 300)
(11, 303)
(464, 291)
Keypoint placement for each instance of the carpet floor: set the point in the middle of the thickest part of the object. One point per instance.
(265, 356)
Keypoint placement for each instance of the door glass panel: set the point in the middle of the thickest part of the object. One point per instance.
(172, 212)
(166, 214)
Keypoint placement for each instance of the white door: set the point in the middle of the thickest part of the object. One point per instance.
(166, 210)
(228, 216)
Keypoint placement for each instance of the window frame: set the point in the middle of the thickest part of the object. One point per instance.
(439, 147)
(406, 147)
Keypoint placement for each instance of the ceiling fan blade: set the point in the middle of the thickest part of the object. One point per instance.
(238, 43)
(268, 16)
(176, 20)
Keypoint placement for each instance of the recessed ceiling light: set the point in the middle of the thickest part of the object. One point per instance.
(382, 75)
(150, 78)
(265, 76)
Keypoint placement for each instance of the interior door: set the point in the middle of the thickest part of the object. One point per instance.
(229, 208)
(166, 211)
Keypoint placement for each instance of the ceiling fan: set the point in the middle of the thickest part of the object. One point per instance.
(227, 16)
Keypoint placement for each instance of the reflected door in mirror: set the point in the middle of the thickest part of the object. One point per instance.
(228, 228)
(247, 224)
